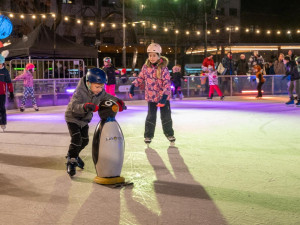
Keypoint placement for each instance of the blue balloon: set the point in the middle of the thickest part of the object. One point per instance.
(5, 27)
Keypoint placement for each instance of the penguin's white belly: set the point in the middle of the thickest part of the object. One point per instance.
(111, 151)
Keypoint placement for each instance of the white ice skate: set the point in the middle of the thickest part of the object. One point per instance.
(147, 141)
(22, 108)
(36, 108)
(172, 140)
(3, 127)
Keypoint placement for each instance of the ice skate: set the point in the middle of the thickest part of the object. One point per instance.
(147, 141)
(290, 102)
(210, 97)
(36, 108)
(80, 163)
(298, 103)
(222, 98)
(22, 108)
(71, 166)
(172, 140)
(180, 96)
(3, 127)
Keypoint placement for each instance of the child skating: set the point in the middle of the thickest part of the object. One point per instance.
(176, 77)
(260, 78)
(5, 82)
(111, 72)
(27, 78)
(213, 82)
(156, 77)
(293, 76)
(85, 100)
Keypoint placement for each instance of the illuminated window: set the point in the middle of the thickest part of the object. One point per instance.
(68, 1)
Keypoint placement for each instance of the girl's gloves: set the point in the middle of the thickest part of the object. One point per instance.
(90, 107)
(162, 101)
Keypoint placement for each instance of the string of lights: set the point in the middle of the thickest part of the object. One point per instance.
(145, 25)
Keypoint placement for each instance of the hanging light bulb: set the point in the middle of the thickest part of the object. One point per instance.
(33, 17)
(78, 21)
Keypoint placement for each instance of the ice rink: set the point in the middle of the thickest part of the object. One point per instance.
(237, 162)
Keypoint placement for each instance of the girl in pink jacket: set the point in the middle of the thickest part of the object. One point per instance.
(27, 76)
(213, 82)
(156, 78)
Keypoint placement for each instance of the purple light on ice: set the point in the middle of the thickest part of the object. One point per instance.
(36, 117)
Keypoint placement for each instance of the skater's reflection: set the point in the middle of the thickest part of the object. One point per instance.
(181, 199)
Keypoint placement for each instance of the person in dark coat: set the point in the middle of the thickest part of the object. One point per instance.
(293, 76)
(242, 66)
(228, 64)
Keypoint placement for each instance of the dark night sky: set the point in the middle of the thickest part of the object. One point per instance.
(271, 13)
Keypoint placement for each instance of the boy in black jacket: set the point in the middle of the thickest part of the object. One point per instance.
(85, 100)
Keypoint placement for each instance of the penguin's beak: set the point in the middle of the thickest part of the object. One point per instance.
(115, 108)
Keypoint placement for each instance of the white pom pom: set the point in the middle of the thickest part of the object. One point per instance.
(5, 53)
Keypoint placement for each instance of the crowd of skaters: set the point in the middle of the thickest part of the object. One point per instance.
(287, 65)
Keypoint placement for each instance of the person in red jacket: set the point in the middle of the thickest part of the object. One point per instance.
(4, 81)
(208, 61)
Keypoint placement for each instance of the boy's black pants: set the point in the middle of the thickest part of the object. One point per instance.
(2, 110)
(166, 120)
(79, 139)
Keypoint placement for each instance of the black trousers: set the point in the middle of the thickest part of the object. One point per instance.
(166, 120)
(79, 139)
(2, 110)
(177, 90)
(260, 84)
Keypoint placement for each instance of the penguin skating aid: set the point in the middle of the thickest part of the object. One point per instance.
(108, 145)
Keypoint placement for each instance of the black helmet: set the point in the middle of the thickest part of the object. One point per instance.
(96, 75)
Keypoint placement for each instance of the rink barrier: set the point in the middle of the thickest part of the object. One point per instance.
(63, 68)
(51, 92)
